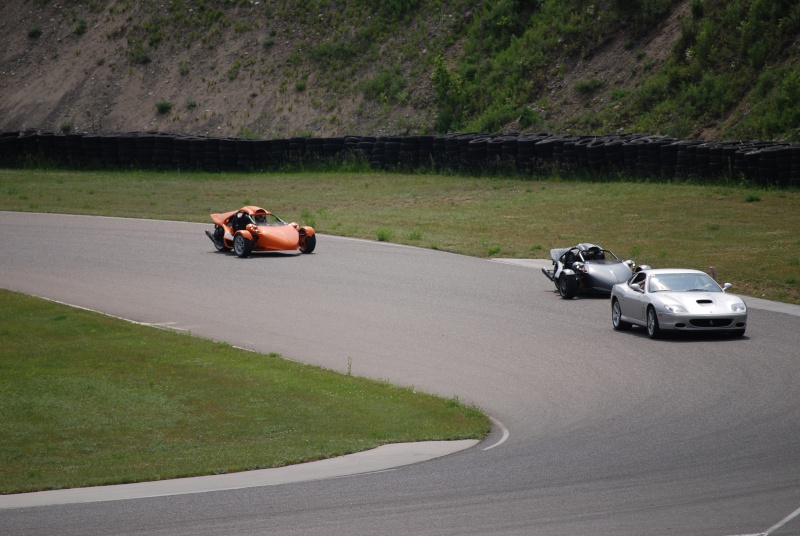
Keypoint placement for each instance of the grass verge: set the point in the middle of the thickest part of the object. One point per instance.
(92, 400)
(750, 235)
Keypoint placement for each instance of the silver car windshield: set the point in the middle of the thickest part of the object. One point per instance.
(683, 283)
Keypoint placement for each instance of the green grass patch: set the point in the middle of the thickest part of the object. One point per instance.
(587, 87)
(94, 400)
(163, 107)
(414, 235)
(384, 235)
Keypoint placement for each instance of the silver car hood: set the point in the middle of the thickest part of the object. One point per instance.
(698, 302)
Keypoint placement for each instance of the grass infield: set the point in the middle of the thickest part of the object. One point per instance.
(86, 399)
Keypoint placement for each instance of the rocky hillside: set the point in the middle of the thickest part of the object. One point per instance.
(314, 68)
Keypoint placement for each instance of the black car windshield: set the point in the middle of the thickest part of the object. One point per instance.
(268, 219)
(599, 256)
(683, 283)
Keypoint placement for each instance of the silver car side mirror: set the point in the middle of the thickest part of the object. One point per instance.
(726, 286)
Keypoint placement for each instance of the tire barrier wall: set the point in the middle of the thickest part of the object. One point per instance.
(763, 163)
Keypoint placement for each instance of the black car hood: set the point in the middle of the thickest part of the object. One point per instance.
(606, 275)
(556, 253)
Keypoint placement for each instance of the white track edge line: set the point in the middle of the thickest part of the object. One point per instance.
(503, 438)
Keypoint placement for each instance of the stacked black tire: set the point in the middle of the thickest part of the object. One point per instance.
(764, 163)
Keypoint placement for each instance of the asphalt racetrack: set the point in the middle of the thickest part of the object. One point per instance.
(607, 433)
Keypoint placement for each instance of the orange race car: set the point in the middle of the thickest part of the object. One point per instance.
(255, 229)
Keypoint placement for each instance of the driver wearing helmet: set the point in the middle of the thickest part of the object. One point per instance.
(261, 219)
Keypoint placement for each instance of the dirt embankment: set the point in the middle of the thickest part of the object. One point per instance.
(55, 77)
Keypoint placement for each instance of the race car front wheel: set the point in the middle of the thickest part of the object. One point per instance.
(242, 246)
(309, 244)
(567, 286)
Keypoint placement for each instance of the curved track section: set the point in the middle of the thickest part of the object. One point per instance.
(608, 433)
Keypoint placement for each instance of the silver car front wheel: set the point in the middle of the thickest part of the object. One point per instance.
(653, 331)
(616, 317)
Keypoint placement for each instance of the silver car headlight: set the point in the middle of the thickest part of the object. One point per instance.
(673, 308)
(738, 308)
(579, 266)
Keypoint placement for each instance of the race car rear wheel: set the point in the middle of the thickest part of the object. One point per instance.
(219, 239)
(616, 317)
(309, 244)
(567, 286)
(242, 246)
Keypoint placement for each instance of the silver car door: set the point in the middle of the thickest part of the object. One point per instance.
(634, 295)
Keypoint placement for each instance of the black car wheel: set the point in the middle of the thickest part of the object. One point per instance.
(616, 317)
(242, 246)
(653, 331)
(309, 244)
(219, 239)
(567, 286)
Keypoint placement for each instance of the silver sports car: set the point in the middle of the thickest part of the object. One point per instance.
(676, 299)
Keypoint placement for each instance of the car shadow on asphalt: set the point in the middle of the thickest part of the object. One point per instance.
(686, 336)
(263, 254)
(579, 297)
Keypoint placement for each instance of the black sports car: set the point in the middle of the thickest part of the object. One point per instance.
(586, 268)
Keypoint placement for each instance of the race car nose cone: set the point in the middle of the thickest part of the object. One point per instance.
(282, 237)
(612, 274)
